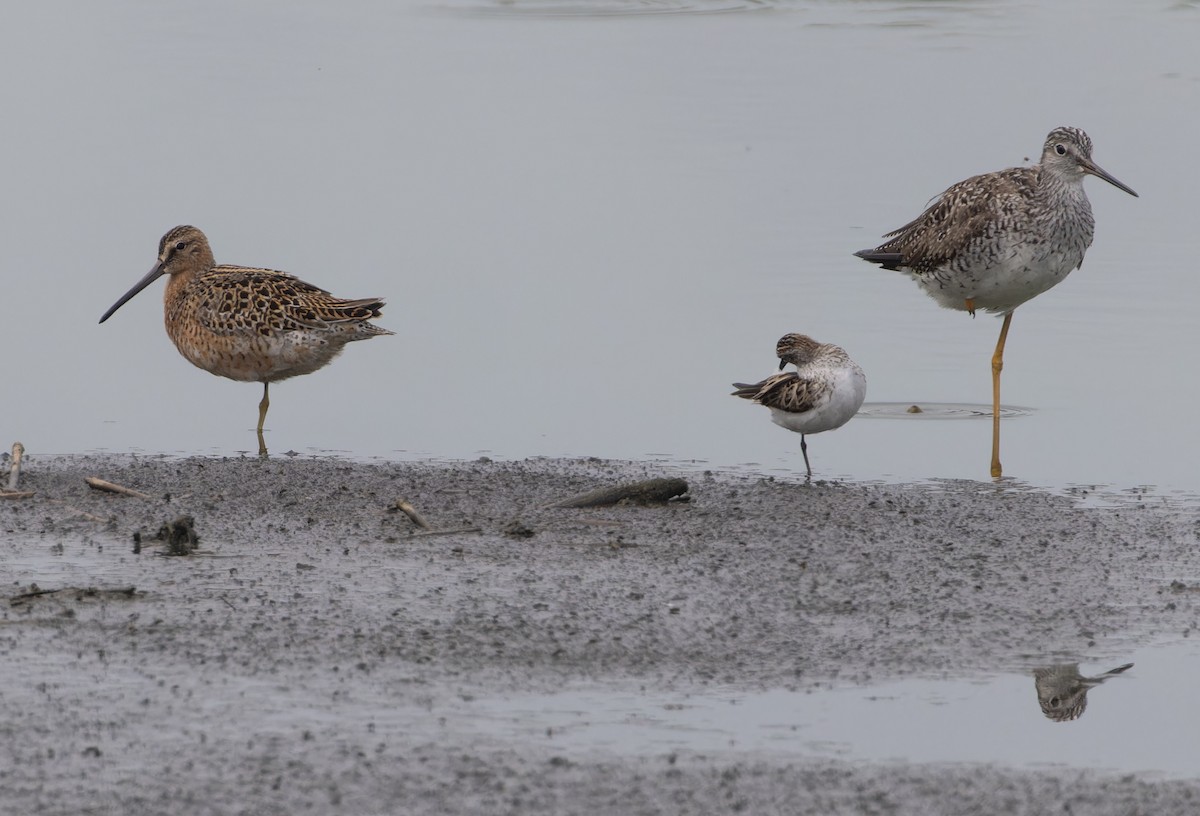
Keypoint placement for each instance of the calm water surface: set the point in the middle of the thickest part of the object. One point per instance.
(590, 217)
(987, 720)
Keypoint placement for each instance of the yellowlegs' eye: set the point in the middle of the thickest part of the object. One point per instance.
(1060, 149)
(180, 245)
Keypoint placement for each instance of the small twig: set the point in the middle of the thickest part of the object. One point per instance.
(644, 492)
(85, 514)
(20, 494)
(451, 531)
(14, 472)
(410, 511)
(100, 484)
(32, 594)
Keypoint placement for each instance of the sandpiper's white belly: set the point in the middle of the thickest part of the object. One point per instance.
(844, 392)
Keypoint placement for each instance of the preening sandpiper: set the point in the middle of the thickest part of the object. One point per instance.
(824, 392)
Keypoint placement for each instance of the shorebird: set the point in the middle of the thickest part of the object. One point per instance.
(824, 392)
(248, 324)
(1062, 690)
(996, 240)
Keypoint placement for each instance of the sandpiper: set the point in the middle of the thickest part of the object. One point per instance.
(824, 392)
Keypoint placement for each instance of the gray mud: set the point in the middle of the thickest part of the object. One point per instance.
(299, 660)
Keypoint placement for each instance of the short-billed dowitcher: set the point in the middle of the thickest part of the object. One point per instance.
(248, 324)
(824, 392)
(996, 240)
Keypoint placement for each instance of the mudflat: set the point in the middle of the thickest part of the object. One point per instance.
(305, 654)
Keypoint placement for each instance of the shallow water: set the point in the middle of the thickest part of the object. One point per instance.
(995, 719)
(590, 217)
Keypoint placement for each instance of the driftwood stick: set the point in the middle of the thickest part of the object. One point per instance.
(35, 593)
(100, 484)
(407, 509)
(644, 492)
(84, 514)
(449, 531)
(14, 472)
(16, 494)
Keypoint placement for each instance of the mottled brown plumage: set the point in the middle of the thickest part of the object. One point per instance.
(249, 324)
(997, 240)
(788, 391)
(824, 392)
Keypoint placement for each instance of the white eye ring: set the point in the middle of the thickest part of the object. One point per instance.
(1060, 149)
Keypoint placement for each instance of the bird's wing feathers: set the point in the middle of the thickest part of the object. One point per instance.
(786, 391)
(957, 218)
(234, 298)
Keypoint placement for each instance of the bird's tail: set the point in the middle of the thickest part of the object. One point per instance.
(888, 260)
(747, 390)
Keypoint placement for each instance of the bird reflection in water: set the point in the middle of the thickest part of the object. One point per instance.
(1062, 690)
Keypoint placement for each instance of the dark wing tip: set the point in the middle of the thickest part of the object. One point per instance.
(888, 260)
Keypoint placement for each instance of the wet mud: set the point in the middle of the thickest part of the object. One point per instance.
(302, 657)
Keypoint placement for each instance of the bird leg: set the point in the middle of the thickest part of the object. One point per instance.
(262, 417)
(970, 306)
(997, 367)
(804, 450)
(263, 406)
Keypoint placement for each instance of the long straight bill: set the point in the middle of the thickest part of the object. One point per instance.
(151, 276)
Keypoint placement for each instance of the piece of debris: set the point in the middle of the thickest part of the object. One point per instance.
(650, 491)
(915, 409)
(179, 536)
(109, 487)
(428, 529)
(447, 531)
(518, 529)
(81, 593)
(407, 509)
(14, 470)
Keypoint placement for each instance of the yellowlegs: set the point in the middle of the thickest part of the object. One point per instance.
(1062, 690)
(996, 240)
(247, 324)
(824, 392)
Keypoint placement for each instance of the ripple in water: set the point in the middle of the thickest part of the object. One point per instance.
(606, 8)
(937, 410)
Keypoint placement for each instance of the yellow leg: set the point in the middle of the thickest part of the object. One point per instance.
(997, 367)
(262, 418)
(970, 303)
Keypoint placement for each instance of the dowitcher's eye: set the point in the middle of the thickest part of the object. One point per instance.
(179, 246)
(1060, 149)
